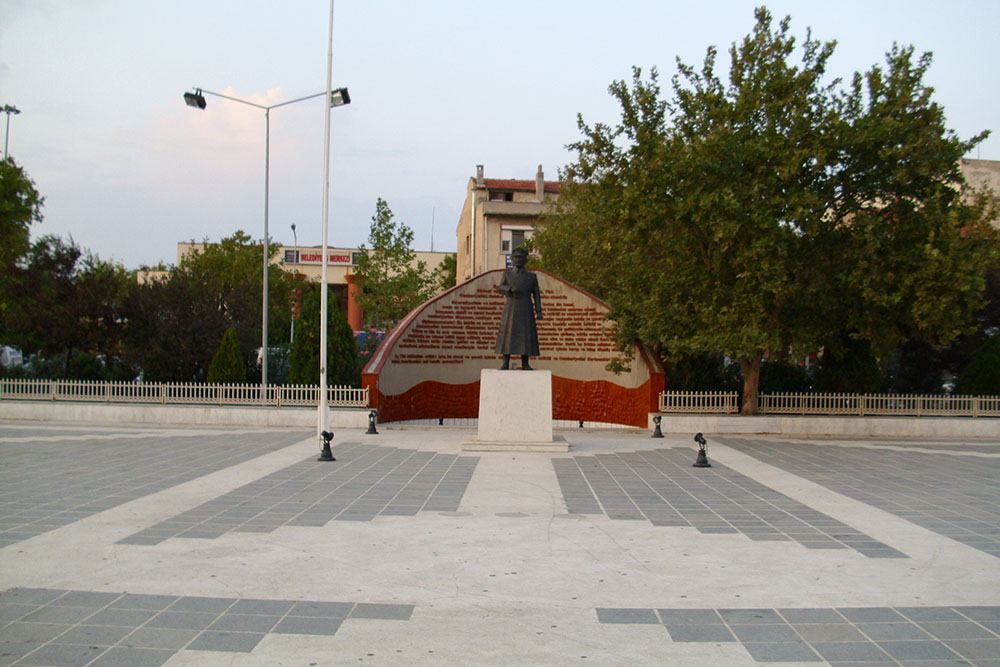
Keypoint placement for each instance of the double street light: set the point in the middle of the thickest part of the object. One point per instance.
(196, 100)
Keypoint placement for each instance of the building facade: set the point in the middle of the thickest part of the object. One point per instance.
(498, 216)
(983, 174)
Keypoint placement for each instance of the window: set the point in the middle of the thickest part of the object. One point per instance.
(501, 196)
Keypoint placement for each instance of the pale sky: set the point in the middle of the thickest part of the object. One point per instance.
(437, 87)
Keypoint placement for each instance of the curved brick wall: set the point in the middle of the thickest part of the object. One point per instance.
(428, 366)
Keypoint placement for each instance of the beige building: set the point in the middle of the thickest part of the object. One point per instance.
(498, 216)
(983, 174)
(308, 261)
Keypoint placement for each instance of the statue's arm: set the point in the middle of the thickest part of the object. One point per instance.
(536, 294)
(504, 286)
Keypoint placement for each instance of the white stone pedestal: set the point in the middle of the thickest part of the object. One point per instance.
(515, 413)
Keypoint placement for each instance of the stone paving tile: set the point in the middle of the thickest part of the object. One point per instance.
(955, 493)
(366, 481)
(132, 630)
(842, 636)
(41, 493)
(661, 487)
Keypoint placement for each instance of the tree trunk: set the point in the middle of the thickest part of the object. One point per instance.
(750, 368)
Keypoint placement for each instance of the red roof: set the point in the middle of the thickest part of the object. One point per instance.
(513, 184)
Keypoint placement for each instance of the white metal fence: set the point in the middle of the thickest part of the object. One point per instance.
(834, 404)
(179, 393)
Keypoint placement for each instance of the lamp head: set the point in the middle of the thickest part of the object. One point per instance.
(339, 97)
(195, 99)
(700, 439)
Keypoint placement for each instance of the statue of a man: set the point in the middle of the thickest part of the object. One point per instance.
(518, 334)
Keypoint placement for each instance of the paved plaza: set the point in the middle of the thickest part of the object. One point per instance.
(133, 545)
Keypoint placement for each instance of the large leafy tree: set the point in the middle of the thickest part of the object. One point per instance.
(20, 207)
(68, 300)
(392, 282)
(774, 210)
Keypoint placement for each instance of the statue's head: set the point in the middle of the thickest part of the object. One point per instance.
(519, 257)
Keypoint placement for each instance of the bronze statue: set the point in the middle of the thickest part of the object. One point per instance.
(518, 334)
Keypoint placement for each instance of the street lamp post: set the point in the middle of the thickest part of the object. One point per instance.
(8, 109)
(197, 100)
(296, 263)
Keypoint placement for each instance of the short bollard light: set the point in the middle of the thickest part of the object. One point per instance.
(372, 416)
(702, 460)
(657, 433)
(325, 454)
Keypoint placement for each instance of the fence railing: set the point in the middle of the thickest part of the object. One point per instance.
(179, 393)
(834, 404)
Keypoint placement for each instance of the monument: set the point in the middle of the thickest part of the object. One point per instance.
(515, 410)
(429, 367)
(518, 333)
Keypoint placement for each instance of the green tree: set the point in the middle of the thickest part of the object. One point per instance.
(342, 358)
(68, 301)
(392, 282)
(445, 276)
(175, 326)
(772, 211)
(228, 366)
(982, 376)
(20, 207)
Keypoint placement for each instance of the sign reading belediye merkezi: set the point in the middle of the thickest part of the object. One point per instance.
(316, 257)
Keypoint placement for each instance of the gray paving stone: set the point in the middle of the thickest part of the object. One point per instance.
(689, 617)
(871, 614)
(930, 614)
(616, 615)
(765, 633)
(322, 609)
(202, 604)
(850, 652)
(308, 625)
(121, 617)
(811, 615)
(182, 620)
(829, 632)
(94, 635)
(268, 607)
(700, 633)
(893, 631)
(751, 617)
(160, 638)
(390, 612)
(63, 615)
(234, 642)
(975, 649)
(64, 655)
(781, 652)
(919, 650)
(957, 630)
(244, 623)
(141, 601)
(133, 657)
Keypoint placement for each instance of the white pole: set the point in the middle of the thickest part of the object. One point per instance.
(323, 417)
(267, 191)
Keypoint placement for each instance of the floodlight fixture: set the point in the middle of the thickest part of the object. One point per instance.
(339, 97)
(195, 99)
